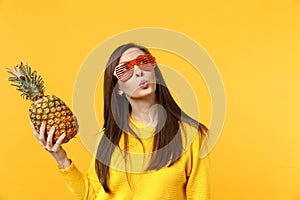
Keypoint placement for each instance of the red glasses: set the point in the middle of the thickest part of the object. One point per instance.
(124, 70)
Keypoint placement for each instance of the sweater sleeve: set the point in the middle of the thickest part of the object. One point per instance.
(199, 174)
(82, 186)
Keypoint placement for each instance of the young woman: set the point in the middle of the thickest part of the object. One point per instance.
(149, 148)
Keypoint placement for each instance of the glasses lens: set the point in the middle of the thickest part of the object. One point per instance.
(124, 71)
(146, 62)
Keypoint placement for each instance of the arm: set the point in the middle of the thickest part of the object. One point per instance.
(199, 174)
(83, 186)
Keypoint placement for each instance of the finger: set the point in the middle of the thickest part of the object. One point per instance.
(42, 133)
(76, 123)
(50, 137)
(35, 133)
(58, 142)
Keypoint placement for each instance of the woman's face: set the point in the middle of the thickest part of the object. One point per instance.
(142, 83)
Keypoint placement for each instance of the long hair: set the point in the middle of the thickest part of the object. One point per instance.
(117, 105)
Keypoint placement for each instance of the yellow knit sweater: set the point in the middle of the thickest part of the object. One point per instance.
(188, 178)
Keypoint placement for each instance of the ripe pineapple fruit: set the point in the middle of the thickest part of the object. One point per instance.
(47, 109)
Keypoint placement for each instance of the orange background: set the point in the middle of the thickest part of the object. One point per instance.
(255, 45)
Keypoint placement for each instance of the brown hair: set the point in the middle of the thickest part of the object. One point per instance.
(117, 105)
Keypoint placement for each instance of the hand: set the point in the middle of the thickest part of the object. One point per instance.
(55, 150)
(48, 143)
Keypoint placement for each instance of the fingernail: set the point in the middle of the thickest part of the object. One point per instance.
(52, 127)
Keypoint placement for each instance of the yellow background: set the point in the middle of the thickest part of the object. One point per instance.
(255, 44)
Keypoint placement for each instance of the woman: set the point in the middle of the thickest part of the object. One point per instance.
(148, 148)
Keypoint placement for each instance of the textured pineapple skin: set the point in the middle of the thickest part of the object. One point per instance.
(52, 111)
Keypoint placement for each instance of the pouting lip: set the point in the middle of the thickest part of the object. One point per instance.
(143, 82)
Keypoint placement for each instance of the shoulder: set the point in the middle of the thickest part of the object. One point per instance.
(192, 137)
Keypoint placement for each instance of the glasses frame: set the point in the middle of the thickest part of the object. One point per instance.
(124, 70)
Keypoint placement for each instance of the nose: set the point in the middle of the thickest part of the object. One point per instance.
(138, 72)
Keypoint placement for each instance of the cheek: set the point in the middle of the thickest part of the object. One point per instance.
(151, 76)
(127, 87)
(153, 81)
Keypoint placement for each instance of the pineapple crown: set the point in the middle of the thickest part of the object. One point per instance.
(30, 84)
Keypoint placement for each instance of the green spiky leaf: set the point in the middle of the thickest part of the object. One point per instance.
(29, 83)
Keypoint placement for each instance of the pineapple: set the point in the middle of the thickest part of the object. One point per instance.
(47, 109)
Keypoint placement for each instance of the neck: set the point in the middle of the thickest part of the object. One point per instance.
(143, 110)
